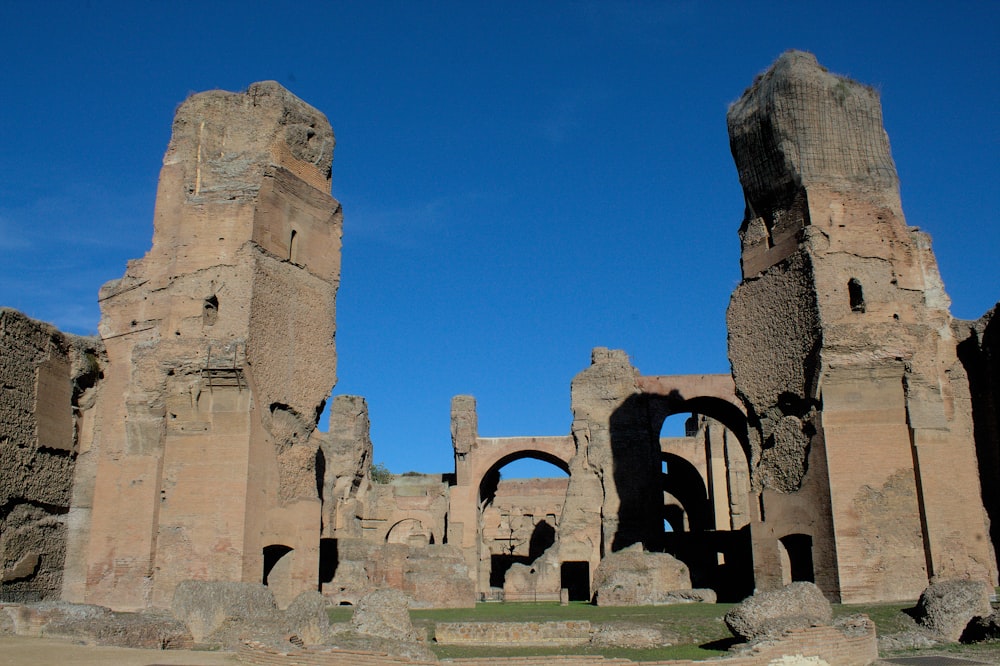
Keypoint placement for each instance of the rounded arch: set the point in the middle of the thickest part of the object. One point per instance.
(673, 514)
(274, 554)
(491, 477)
(722, 410)
(683, 481)
(409, 531)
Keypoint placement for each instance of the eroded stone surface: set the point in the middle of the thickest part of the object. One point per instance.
(772, 612)
(385, 614)
(196, 455)
(841, 347)
(632, 577)
(221, 353)
(946, 607)
(48, 384)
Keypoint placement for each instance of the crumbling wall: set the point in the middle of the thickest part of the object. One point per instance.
(979, 351)
(841, 348)
(221, 348)
(520, 524)
(347, 449)
(433, 576)
(383, 534)
(774, 343)
(48, 380)
(617, 461)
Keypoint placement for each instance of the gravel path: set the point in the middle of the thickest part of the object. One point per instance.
(21, 651)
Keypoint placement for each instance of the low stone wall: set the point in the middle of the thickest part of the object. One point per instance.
(829, 644)
(261, 655)
(507, 633)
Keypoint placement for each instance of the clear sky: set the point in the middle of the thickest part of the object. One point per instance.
(521, 181)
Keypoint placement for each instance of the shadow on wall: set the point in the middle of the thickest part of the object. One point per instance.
(718, 559)
(980, 355)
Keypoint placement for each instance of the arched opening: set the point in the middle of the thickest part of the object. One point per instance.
(706, 492)
(710, 477)
(683, 482)
(272, 556)
(795, 552)
(410, 532)
(674, 518)
(293, 246)
(519, 514)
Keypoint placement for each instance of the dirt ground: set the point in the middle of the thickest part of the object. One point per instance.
(22, 651)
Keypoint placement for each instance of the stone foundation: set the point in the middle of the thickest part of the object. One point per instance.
(513, 633)
(828, 644)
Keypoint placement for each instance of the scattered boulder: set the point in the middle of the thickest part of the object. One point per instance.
(97, 625)
(633, 577)
(700, 595)
(381, 623)
(946, 607)
(306, 618)
(56, 618)
(148, 630)
(771, 613)
(384, 613)
(222, 612)
(978, 630)
(906, 640)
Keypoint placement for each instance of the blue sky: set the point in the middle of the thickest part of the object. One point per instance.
(521, 182)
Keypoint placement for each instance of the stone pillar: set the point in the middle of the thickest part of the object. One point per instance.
(463, 497)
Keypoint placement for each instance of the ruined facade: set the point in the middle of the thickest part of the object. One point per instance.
(203, 461)
(48, 388)
(842, 350)
(184, 444)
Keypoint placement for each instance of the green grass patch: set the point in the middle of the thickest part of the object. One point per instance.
(696, 631)
(888, 618)
(340, 613)
(687, 626)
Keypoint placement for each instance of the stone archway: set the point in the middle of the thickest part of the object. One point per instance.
(409, 532)
(518, 518)
(477, 462)
(707, 479)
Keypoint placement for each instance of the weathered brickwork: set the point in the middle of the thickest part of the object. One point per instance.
(842, 351)
(183, 445)
(47, 381)
(220, 347)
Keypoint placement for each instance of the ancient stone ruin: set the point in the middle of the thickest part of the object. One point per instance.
(849, 447)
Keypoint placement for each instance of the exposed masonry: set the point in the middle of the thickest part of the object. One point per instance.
(49, 384)
(183, 445)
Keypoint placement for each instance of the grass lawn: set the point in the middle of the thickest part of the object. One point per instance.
(696, 631)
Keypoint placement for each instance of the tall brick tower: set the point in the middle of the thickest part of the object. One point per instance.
(841, 348)
(221, 354)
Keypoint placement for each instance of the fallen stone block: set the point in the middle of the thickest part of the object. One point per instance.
(770, 613)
